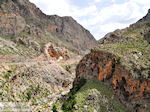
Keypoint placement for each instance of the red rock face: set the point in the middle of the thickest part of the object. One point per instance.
(51, 50)
(55, 52)
(106, 72)
(134, 87)
(103, 66)
(97, 64)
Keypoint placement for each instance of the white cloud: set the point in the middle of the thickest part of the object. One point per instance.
(80, 12)
(124, 11)
(64, 8)
(112, 17)
(115, 16)
(103, 29)
(96, 1)
(113, 0)
(60, 7)
(99, 20)
(141, 2)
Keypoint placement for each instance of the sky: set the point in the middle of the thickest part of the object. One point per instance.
(98, 16)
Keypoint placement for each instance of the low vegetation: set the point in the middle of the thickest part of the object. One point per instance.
(93, 95)
(137, 30)
(131, 54)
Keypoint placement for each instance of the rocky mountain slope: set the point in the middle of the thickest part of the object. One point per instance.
(22, 20)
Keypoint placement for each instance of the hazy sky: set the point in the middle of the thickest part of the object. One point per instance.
(98, 16)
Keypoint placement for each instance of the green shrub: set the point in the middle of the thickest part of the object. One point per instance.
(7, 74)
(118, 59)
(32, 90)
(54, 109)
(28, 95)
(68, 105)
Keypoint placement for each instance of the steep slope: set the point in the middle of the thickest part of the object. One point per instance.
(20, 18)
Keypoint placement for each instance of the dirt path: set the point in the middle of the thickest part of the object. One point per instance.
(6, 60)
(24, 63)
(71, 60)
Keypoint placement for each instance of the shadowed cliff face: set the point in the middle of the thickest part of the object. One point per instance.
(105, 66)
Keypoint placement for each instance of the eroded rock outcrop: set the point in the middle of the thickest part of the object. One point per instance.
(98, 64)
(135, 93)
(50, 50)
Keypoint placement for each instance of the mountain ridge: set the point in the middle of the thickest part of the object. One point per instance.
(40, 24)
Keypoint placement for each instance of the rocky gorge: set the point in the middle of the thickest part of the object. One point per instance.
(53, 64)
